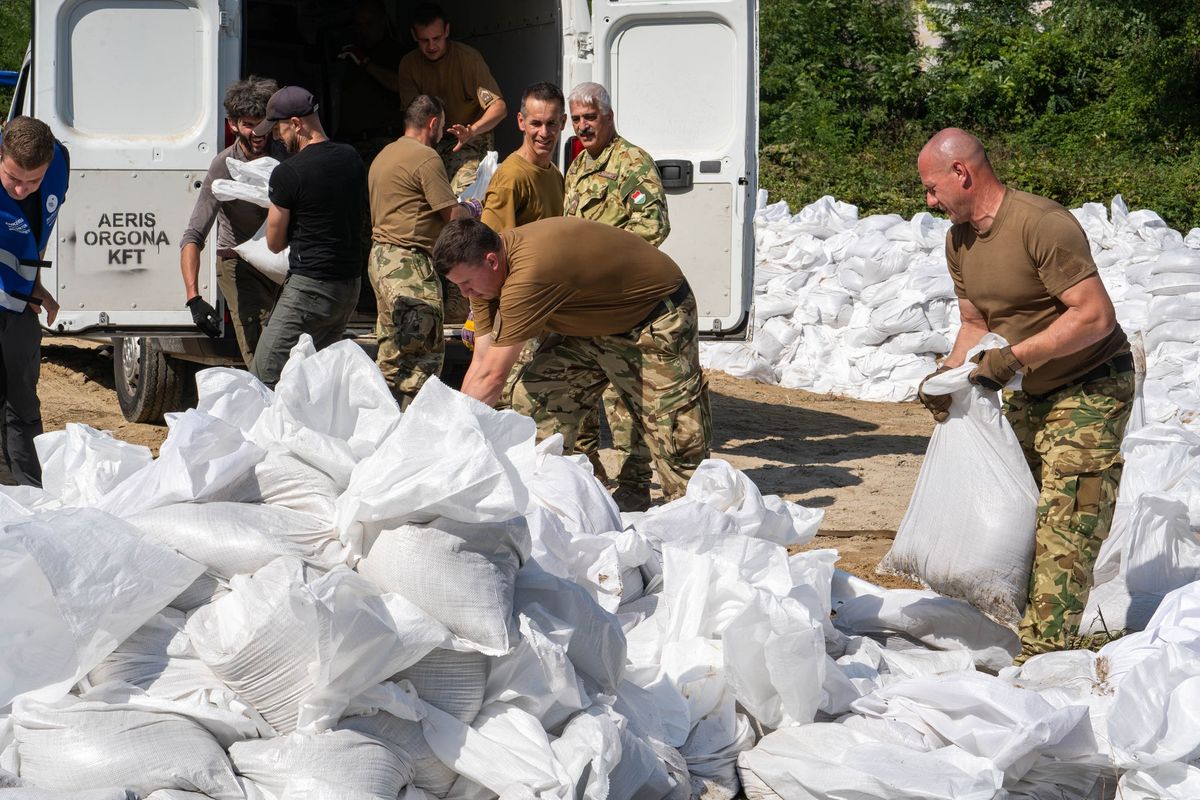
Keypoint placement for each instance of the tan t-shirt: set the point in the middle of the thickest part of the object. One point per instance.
(408, 187)
(1014, 274)
(575, 277)
(460, 78)
(520, 193)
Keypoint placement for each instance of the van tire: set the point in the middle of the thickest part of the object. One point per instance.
(149, 383)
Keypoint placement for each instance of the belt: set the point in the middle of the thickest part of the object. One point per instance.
(668, 303)
(1115, 365)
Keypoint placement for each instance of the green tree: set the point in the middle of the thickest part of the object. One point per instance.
(14, 39)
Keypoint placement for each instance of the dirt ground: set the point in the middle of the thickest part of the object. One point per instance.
(856, 460)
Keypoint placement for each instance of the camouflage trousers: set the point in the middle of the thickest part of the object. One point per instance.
(1072, 442)
(250, 296)
(655, 370)
(462, 166)
(408, 327)
(633, 456)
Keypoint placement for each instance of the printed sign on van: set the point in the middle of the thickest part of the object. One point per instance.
(124, 236)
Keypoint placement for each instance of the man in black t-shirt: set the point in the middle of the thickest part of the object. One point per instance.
(318, 206)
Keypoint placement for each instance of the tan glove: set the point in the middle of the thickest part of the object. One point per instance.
(938, 404)
(996, 368)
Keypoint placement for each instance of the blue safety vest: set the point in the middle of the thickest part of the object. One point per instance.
(20, 251)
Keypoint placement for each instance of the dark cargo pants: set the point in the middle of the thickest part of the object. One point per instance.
(20, 367)
(306, 305)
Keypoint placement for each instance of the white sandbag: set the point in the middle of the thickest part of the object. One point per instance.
(31, 793)
(483, 176)
(566, 486)
(256, 252)
(1152, 719)
(423, 471)
(240, 538)
(716, 483)
(82, 581)
(1180, 330)
(202, 591)
(232, 395)
(406, 739)
(331, 408)
(201, 456)
(298, 647)
(1173, 283)
(283, 480)
(159, 659)
(453, 681)
(81, 464)
(334, 765)
(75, 744)
(1172, 781)
(461, 574)
(537, 676)
(969, 529)
(829, 761)
(738, 360)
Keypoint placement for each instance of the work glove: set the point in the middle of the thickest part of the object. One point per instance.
(356, 54)
(468, 331)
(205, 316)
(996, 368)
(938, 404)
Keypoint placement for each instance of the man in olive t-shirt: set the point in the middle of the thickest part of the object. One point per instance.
(457, 74)
(629, 317)
(410, 202)
(1022, 268)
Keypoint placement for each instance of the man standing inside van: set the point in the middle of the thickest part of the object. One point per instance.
(318, 206)
(457, 74)
(616, 182)
(33, 171)
(249, 294)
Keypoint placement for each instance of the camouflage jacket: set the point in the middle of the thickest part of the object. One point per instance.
(622, 188)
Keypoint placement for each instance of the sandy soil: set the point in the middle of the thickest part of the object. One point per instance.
(856, 460)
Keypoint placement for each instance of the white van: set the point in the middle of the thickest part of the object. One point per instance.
(134, 89)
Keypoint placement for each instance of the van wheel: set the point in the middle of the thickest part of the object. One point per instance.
(149, 383)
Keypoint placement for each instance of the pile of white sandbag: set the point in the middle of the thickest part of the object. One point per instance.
(863, 307)
(310, 594)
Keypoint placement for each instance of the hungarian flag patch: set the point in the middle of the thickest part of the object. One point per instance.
(638, 197)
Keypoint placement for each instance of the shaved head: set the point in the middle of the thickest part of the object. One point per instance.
(958, 178)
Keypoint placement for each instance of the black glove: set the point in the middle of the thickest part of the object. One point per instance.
(205, 316)
(996, 368)
(938, 404)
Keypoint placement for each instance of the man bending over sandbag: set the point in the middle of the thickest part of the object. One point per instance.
(1022, 268)
(249, 293)
(629, 317)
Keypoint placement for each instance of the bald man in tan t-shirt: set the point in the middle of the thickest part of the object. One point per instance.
(629, 318)
(1022, 268)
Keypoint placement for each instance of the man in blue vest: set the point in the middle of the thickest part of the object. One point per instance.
(33, 171)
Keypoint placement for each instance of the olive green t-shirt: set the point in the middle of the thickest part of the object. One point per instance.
(575, 277)
(409, 189)
(1014, 274)
(461, 79)
(520, 193)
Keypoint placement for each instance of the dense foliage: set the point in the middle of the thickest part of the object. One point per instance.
(1075, 99)
(14, 38)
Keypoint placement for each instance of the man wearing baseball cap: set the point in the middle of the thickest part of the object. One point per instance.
(318, 206)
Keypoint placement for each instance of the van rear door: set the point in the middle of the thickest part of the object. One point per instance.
(132, 90)
(683, 75)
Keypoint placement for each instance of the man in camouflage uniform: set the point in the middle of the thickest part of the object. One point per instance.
(617, 183)
(456, 74)
(628, 318)
(1022, 268)
(410, 202)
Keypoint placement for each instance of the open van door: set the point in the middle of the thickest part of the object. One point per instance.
(132, 89)
(683, 75)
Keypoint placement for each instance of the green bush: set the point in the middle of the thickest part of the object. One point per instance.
(14, 38)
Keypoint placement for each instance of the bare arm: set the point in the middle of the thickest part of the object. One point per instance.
(489, 369)
(973, 328)
(457, 211)
(189, 265)
(492, 116)
(277, 228)
(1088, 319)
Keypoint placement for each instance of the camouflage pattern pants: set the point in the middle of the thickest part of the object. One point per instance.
(1072, 441)
(462, 166)
(408, 327)
(250, 296)
(655, 369)
(633, 456)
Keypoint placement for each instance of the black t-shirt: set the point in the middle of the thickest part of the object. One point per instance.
(324, 186)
